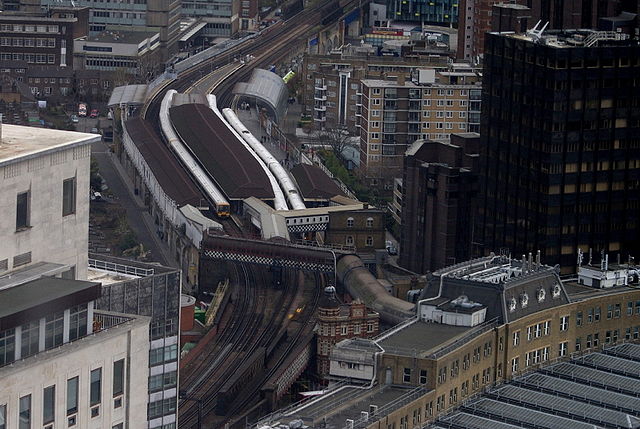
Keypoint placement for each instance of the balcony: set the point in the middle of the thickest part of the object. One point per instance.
(320, 108)
(322, 87)
(320, 119)
(318, 97)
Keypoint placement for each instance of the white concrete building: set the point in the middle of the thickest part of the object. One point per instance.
(44, 198)
(65, 365)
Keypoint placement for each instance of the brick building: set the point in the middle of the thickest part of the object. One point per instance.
(439, 189)
(337, 322)
(362, 229)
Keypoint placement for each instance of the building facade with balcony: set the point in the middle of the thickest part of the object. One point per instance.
(331, 83)
(222, 17)
(394, 114)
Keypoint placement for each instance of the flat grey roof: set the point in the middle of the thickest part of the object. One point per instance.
(19, 142)
(29, 273)
(19, 304)
(419, 338)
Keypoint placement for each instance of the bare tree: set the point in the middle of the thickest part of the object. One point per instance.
(338, 138)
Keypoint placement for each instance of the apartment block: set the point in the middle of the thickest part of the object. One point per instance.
(331, 83)
(437, 13)
(394, 114)
(222, 17)
(560, 151)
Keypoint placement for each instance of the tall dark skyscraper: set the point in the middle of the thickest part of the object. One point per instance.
(560, 145)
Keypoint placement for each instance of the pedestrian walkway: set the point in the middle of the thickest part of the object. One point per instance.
(138, 218)
(250, 120)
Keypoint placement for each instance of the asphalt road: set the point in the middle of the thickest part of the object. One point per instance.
(137, 216)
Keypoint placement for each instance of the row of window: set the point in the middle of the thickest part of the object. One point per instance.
(29, 42)
(23, 204)
(29, 58)
(328, 330)
(25, 417)
(349, 241)
(50, 329)
(29, 28)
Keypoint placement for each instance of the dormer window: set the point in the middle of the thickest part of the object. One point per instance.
(512, 305)
(349, 222)
(556, 291)
(524, 300)
(541, 295)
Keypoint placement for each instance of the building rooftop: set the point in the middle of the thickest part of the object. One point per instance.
(267, 87)
(127, 37)
(582, 38)
(314, 183)
(379, 83)
(173, 179)
(594, 390)
(19, 142)
(220, 152)
(31, 300)
(421, 339)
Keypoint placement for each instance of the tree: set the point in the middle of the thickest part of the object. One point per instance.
(337, 138)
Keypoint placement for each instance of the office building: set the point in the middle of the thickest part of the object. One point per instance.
(443, 13)
(160, 16)
(439, 189)
(222, 17)
(560, 157)
(53, 342)
(394, 114)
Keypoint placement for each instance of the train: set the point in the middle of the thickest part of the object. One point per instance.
(287, 185)
(220, 204)
(287, 77)
(279, 201)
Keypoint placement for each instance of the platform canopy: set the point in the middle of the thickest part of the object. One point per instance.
(129, 94)
(267, 87)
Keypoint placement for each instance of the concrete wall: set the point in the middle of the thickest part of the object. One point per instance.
(50, 236)
(77, 359)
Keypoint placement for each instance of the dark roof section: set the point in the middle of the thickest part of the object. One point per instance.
(175, 181)
(314, 183)
(220, 152)
(35, 299)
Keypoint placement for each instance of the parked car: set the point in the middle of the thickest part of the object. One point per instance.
(82, 109)
(94, 113)
(74, 119)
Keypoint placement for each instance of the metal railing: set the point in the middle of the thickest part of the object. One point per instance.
(387, 409)
(120, 268)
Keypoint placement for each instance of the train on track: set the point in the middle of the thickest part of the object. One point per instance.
(220, 204)
(288, 187)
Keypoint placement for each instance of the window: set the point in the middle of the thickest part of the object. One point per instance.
(564, 323)
(369, 241)
(48, 404)
(156, 356)
(516, 338)
(596, 316)
(350, 222)
(616, 311)
(118, 426)
(170, 353)
(406, 375)
(578, 343)
(609, 311)
(546, 326)
(77, 322)
(22, 211)
(118, 377)
(630, 308)
(369, 222)
(596, 339)
(96, 386)
(25, 413)
(349, 240)
(72, 395)
(579, 318)
(69, 196)
(590, 315)
(7, 346)
(562, 349)
(423, 376)
(53, 330)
